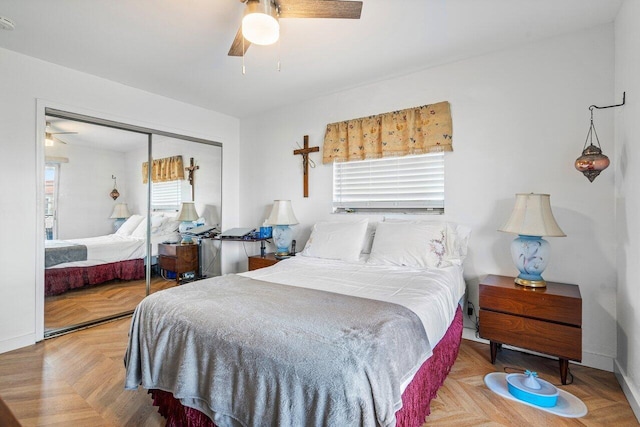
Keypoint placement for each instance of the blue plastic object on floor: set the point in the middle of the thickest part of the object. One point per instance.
(529, 388)
(568, 405)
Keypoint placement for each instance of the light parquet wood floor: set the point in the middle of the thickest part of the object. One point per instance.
(464, 400)
(94, 302)
(77, 380)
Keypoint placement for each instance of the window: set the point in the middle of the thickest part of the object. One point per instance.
(51, 184)
(166, 196)
(394, 184)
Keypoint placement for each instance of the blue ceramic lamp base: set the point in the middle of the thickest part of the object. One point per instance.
(531, 256)
(282, 237)
(183, 228)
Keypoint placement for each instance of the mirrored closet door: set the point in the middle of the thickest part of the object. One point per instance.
(105, 211)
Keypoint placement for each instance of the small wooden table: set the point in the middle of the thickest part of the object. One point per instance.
(547, 320)
(257, 261)
(178, 258)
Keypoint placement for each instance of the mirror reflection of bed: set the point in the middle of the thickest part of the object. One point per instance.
(96, 259)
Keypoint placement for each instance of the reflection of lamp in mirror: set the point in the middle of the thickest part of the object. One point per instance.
(187, 215)
(120, 214)
(282, 217)
(48, 140)
(531, 219)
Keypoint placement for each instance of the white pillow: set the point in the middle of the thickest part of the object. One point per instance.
(411, 244)
(157, 221)
(336, 240)
(367, 243)
(169, 226)
(462, 241)
(141, 229)
(129, 225)
(457, 237)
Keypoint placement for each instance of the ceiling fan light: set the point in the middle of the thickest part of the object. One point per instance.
(48, 140)
(260, 23)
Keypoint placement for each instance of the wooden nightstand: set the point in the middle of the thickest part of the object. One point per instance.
(178, 258)
(256, 261)
(547, 320)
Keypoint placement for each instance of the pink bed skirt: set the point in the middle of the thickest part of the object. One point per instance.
(60, 280)
(416, 399)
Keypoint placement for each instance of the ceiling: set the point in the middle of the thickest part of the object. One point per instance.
(93, 136)
(178, 48)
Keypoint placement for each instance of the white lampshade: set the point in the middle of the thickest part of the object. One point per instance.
(188, 212)
(120, 210)
(260, 23)
(532, 216)
(282, 213)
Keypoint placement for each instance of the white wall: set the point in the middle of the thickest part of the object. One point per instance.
(627, 162)
(84, 204)
(24, 80)
(520, 117)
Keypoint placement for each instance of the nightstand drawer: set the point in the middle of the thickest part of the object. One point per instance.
(256, 262)
(537, 335)
(168, 249)
(167, 263)
(180, 264)
(557, 303)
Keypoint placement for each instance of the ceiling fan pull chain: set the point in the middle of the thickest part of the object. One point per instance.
(244, 70)
(279, 42)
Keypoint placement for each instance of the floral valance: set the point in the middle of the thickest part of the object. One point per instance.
(167, 169)
(415, 130)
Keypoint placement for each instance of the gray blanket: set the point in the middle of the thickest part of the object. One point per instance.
(252, 353)
(58, 252)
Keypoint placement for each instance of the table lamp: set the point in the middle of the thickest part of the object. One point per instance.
(281, 218)
(120, 214)
(531, 219)
(187, 215)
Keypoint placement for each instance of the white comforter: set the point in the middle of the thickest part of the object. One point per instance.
(433, 294)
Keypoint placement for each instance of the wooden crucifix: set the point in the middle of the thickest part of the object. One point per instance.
(192, 168)
(304, 152)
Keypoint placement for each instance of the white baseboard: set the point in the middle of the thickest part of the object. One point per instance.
(629, 389)
(592, 360)
(17, 342)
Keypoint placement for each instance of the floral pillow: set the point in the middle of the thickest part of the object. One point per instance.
(411, 244)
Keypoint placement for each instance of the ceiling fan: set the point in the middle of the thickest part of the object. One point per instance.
(260, 22)
(49, 137)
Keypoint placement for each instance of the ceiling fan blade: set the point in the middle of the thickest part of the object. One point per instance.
(236, 46)
(50, 137)
(320, 9)
(50, 132)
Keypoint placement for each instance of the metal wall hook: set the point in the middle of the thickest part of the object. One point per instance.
(624, 95)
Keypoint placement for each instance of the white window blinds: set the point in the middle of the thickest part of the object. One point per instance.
(408, 183)
(166, 196)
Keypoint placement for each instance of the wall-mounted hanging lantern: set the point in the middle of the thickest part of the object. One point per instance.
(114, 193)
(592, 161)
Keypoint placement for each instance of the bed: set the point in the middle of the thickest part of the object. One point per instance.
(74, 263)
(364, 339)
